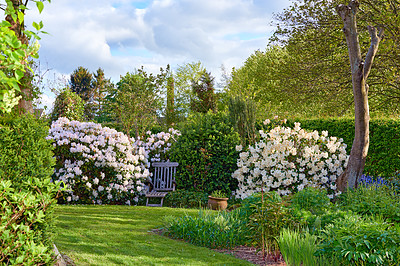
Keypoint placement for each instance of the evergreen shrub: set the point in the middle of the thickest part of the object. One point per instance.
(206, 154)
(27, 194)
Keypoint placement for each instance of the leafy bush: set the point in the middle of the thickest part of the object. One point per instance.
(26, 191)
(23, 216)
(186, 199)
(221, 230)
(68, 104)
(372, 200)
(266, 219)
(287, 160)
(311, 199)
(97, 165)
(206, 154)
(361, 241)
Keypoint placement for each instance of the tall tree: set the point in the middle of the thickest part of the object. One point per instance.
(81, 83)
(135, 101)
(204, 95)
(15, 14)
(100, 86)
(183, 79)
(360, 70)
(315, 70)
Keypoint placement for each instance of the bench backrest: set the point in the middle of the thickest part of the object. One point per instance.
(164, 176)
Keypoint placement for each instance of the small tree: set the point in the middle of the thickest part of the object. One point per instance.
(359, 71)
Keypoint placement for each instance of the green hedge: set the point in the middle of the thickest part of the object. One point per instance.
(26, 192)
(384, 149)
(206, 154)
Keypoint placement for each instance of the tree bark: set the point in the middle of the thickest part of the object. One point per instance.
(359, 72)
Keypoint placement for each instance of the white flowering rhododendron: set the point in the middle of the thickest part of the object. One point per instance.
(97, 165)
(287, 160)
(158, 145)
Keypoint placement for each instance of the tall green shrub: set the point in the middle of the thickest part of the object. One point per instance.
(26, 191)
(206, 153)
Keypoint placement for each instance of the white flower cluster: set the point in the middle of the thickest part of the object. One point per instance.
(158, 145)
(287, 160)
(97, 165)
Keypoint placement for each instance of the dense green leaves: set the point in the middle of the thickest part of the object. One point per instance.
(206, 154)
(27, 193)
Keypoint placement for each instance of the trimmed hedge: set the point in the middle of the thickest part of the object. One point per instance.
(384, 150)
(27, 194)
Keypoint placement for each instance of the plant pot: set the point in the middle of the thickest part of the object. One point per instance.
(217, 203)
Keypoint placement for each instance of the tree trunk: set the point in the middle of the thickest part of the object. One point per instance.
(359, 73)
(25, 103)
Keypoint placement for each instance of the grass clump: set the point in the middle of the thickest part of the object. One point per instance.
(210, 229)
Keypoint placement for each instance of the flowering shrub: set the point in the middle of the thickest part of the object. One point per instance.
(287, 160)
(158, 145)
(97, 165)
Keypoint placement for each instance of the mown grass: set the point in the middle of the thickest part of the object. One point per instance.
(119, 235)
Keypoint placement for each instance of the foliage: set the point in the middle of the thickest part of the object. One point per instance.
(266, 217)
(242, 116)
(220, 230)
(68, 104)
(26, 191)
(186, 199)
(287, 160)
(184, 77)
(15, 52)
(135, 101)
(22, 211)
(206, 153)
(219, 194)
(311, 32)
(81, 84)
(361, 241)
(204, 98)
(258, 81)
(372, 200)
(311, 199)
(97, 165)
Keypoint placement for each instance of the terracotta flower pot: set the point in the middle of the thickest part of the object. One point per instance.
(217, 203)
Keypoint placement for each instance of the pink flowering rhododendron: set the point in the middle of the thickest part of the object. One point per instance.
(287, 160)
(158, 145)
(97, 164)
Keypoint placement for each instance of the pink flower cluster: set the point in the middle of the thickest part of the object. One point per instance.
(97, 165)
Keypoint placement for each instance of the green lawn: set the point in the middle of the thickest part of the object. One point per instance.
(119, 235)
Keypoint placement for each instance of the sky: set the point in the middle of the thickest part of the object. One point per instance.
(122, 35)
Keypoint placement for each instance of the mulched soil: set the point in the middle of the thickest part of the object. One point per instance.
(250, 254)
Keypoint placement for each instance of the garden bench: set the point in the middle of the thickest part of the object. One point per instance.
(162, 182)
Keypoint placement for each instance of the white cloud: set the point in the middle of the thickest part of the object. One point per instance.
(121, 35)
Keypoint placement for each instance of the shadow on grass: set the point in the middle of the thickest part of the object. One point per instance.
(119, 235)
